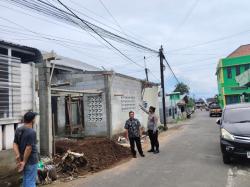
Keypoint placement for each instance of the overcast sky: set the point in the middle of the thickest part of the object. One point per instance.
(217, 26)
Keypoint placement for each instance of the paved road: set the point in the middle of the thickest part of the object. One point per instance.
(189, 157)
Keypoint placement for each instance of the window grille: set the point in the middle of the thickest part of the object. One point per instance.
(95, 108)
(10, 87)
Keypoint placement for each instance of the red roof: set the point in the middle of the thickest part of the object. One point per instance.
(241, 51)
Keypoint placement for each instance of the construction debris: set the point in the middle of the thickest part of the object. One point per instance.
(88, 155)
(70, 163)
(47, 174)
(122, 139)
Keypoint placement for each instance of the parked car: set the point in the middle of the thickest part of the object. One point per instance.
(215, 110)
(235, 132)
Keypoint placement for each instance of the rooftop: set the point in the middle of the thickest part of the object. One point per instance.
(25, 53)
(76, 64)
(243, 50)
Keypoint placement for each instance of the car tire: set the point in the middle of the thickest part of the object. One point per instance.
(226, 159)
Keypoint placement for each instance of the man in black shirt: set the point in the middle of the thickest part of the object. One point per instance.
(133, 133)
(26, 151)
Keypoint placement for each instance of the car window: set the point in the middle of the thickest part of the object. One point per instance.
(237, 115)
(214, 106)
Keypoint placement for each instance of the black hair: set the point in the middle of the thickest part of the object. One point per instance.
(131, 112)
(29, 117)
(152, 108)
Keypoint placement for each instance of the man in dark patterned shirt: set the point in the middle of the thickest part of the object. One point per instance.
(133, 133)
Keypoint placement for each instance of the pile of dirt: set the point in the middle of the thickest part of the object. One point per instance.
(100, 153)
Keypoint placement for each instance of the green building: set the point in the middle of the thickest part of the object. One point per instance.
(175, 96)
(233, 77)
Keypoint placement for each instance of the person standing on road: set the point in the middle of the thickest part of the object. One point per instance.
(26, 151)
(133, 133)
(152, 129)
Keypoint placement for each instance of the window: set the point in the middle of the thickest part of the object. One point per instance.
(236, 115)
(229, 72)
(247, 67)
(232, 99)
(169, 112)
(237, 70)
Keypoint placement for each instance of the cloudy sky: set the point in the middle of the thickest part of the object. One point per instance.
(195, 34)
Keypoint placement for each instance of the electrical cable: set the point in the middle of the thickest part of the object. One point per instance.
(99, 35)
(47, 9)
(170, 69)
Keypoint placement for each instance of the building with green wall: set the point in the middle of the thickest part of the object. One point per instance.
(233, 77)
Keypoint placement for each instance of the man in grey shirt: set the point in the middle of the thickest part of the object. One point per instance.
(152, 129)
(26, 151)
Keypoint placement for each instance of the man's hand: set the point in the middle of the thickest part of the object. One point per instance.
(18, 159)
(20, 166)
(126, 138)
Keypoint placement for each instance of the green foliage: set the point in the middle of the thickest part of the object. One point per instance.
(182, 88)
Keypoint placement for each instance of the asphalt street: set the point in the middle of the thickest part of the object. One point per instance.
(189, 157)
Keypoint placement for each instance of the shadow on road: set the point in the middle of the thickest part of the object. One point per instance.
(241, 163)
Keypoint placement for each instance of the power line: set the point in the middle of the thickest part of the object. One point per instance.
(115, 21)
(171, 69)
(186, 17)
(71, 18)
(100, 35)
(52, 11)
(154, 75)
(211, 41)
(131, 35)
(53, 38)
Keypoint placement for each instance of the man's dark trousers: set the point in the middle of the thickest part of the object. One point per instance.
(137, 141)
(153, 140)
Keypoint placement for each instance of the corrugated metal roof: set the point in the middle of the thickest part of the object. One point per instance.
(10, 44)
(76, 64)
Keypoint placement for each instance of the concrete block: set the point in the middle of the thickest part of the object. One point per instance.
(1, 138)
(8, 136)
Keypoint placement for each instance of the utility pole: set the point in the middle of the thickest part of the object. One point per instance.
(146, 69)
(163, 87)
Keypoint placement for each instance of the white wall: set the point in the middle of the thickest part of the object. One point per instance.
(9, 136)
(151, 97)
(26, 88)
(123, 89)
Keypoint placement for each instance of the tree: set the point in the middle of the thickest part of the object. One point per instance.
(182, 88)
